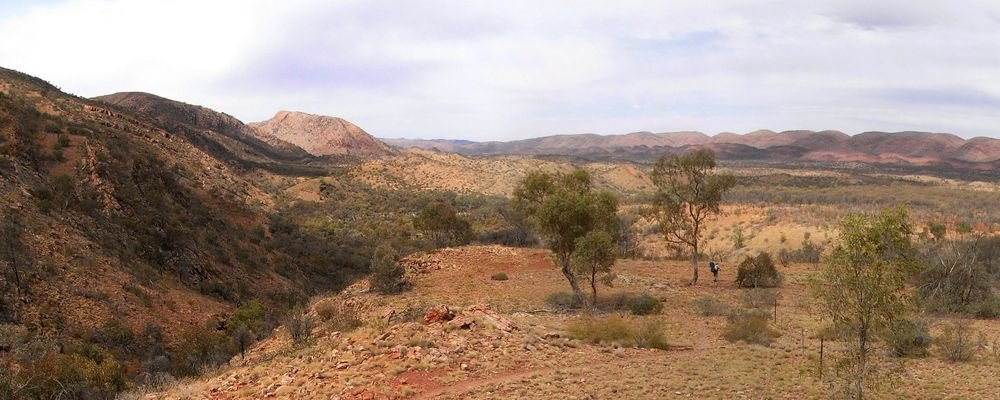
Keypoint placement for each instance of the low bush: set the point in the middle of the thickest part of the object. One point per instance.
(986, 308)
(649, 335)
(299, 326)
(956, 278)
(386, 273)
(750, 327)
(909, 338)
(710, 306)
(759, 298)
(755, 272)
(960, 342)
(562, 300)
(339, 317)
(200, 348)
(598, 330)
(500, 276)
(644, 304)
(620, 331)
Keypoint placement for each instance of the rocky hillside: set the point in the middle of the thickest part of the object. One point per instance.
(906, 148)
(322, 135)
(110, 215)
(216, 133)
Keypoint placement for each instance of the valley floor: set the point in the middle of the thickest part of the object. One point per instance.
(396, 355)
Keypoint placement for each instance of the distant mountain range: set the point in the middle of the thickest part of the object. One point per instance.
(912, 148)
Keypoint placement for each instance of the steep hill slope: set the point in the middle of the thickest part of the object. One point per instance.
(216, 133)
(112, 216)
(322, 135)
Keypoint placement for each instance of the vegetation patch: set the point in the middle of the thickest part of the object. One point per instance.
(758, 272)
(711, 307)
(620, 331)
(750, 327)
(644, 304)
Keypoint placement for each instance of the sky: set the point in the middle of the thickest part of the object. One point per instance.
(503, 70)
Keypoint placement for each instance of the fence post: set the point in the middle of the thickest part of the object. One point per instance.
(821, 337)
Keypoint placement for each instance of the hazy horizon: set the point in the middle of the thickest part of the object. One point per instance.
(516, 70)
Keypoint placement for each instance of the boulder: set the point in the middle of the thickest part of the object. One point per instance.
(438, 314)
(482, 314)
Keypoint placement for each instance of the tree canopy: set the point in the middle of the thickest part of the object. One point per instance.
(862, 287)
(564, 208)
(688, 193)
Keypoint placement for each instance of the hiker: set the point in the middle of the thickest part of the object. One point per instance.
(714, 267)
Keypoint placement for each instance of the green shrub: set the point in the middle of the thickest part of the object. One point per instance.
(386, 273)
(116, 334)
(644, 304)
(71, 376)
(618, 330)
(750, 327)
(909, 338)
(758, 271)
(710, 306)
(986, 308)
(62, 141)
(500, 276)
(739, 241)
(253, 316)
(598, 330)
(53, 128)
(562, 300)
(649, 335)
(200, 348)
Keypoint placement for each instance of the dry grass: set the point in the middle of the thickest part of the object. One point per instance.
(533, 363)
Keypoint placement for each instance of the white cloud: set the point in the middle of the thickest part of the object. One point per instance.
(496, 70)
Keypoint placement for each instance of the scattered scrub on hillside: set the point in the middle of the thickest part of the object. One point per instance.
(758, 272)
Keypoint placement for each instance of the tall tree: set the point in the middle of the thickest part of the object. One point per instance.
(564, 208)
(688, 193)
(862, 288)
(595, 254)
